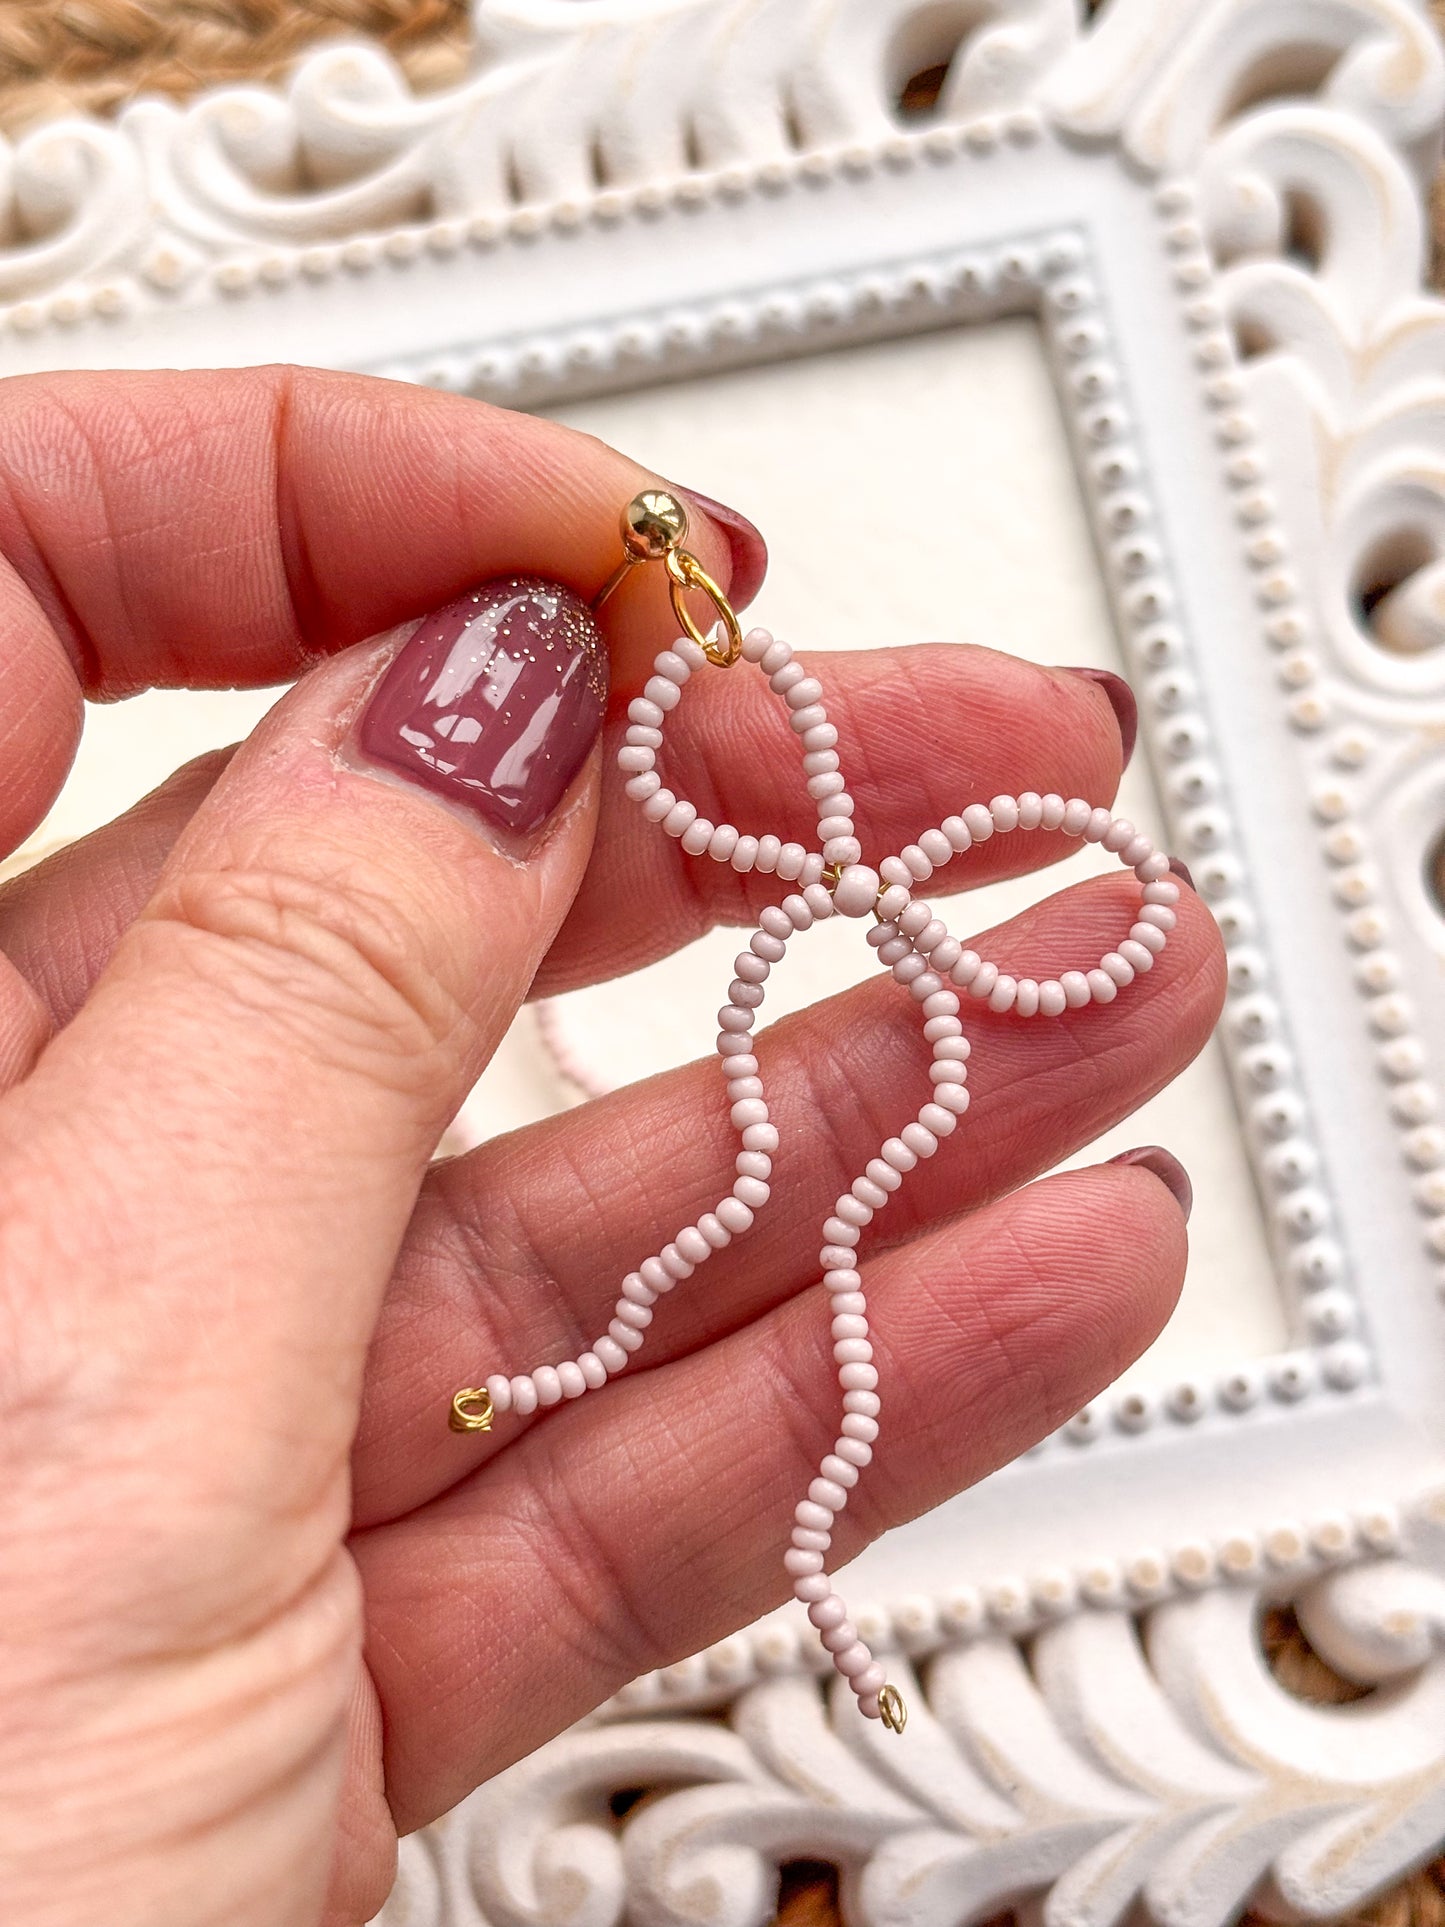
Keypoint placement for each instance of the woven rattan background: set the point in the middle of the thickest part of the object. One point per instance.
(58, 56)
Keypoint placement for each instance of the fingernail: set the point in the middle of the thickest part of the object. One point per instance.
(493, 701)
(1121, 701)
(1181, 870)
(1167, 1168)
(749, 550)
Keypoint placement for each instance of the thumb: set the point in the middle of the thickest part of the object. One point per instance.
(250, 1097)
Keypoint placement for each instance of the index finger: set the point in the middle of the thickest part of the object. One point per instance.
(225, 528)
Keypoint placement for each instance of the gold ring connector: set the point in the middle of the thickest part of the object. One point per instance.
(892, 1709)
(654, 524)
(471, 1410)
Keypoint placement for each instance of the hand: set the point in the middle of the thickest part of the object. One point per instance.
(259, 1609)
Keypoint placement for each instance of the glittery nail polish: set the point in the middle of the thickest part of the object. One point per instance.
(494, 701)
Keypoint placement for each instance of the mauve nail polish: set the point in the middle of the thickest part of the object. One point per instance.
(494, 700)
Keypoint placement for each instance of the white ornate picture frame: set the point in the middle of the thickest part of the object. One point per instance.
(1215, 208)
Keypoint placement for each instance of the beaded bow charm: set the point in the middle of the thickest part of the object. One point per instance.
(913, 944)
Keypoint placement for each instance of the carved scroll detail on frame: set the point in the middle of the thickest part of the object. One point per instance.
(1125, 1757)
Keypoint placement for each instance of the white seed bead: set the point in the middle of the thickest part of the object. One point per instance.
(841, 1472)
(856, 1399)
(818, 762)
(980, 823)
(883, 1174)
(1166, 892)
(639, 1317)
(752, 1192)
(679, 818)
(1051, 811)
(697, 835)
(671, 665)
(1076, 989)
(630, 758)
(642, 710)
(1005, 989)
(499, 1391)
(769, 850)
(811, 1541)
(935, 846)
(1135, 954)
(892, 900)
(808, 1513)
(859, 1427)
(776, 656)
(1118, 968)
(857, 890)
(524, 1395)
(1102, 987)
(642, 788)
(1005, 812)
(1052, 998)
(658, 804)
(919, 1139)
(827, 1613)
(799, 1562)
(569, 1377)
(664, 694)
(641, 737)
(983, 980)
(733, 1213)
(940, 1121)
(1146, 934)
(624, 1335)
(610, 1352)
(756, 644)
(787, 676)
(656, 1276)
(548, 1384)
(959, 835)
(1031, 810)
(868, 1685)
(745, 854)
(827, 1492)
(812, 1585)
(954, 1098)
(803, 690)
(592, 1370)
(854, 1660)
(636, 1287)
(1026, 997)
